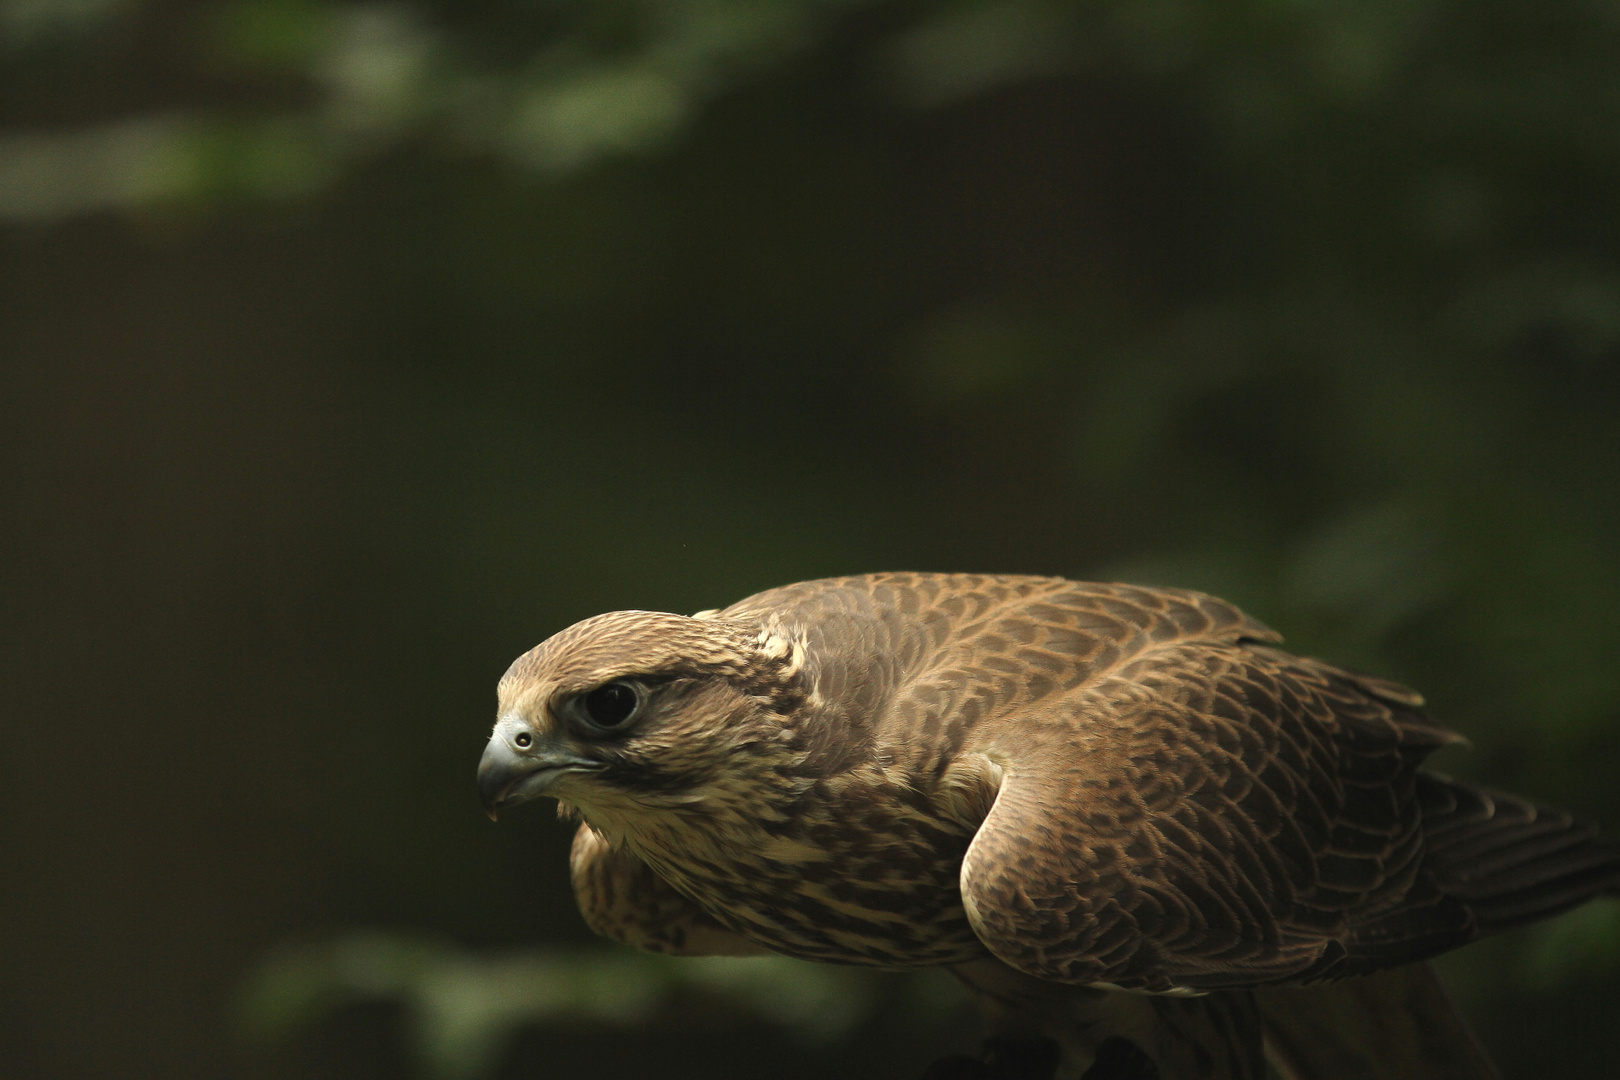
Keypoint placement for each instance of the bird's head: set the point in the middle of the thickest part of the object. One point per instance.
(636, 710)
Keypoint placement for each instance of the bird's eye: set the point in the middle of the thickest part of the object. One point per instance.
(612, 704)
(523, 740)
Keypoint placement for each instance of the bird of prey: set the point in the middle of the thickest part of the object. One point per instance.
(1099, 785)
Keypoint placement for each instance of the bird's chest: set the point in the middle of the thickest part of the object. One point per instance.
(837, 876)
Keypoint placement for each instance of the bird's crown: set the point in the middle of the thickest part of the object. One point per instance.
(761, 660)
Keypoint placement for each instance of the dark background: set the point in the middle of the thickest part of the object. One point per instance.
(349, 351)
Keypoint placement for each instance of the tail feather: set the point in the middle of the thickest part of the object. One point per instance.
(1507, 860)
(1506, 914)
(1575, 861)
(1518, 866)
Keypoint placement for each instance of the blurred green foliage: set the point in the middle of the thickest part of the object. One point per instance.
(465, 1009)
(351, 348)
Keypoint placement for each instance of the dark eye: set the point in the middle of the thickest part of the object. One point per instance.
(611, 704)
(523, 739)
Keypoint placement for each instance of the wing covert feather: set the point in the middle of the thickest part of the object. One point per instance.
(1207, 814)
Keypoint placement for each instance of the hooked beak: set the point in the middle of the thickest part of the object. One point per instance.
(509, 774)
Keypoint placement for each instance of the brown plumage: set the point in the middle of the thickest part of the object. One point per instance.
(1097, 784)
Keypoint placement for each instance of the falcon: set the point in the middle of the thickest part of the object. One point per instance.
(1098, 785)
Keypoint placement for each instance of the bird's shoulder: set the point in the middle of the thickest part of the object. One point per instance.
(957, 608)
(922, 658)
